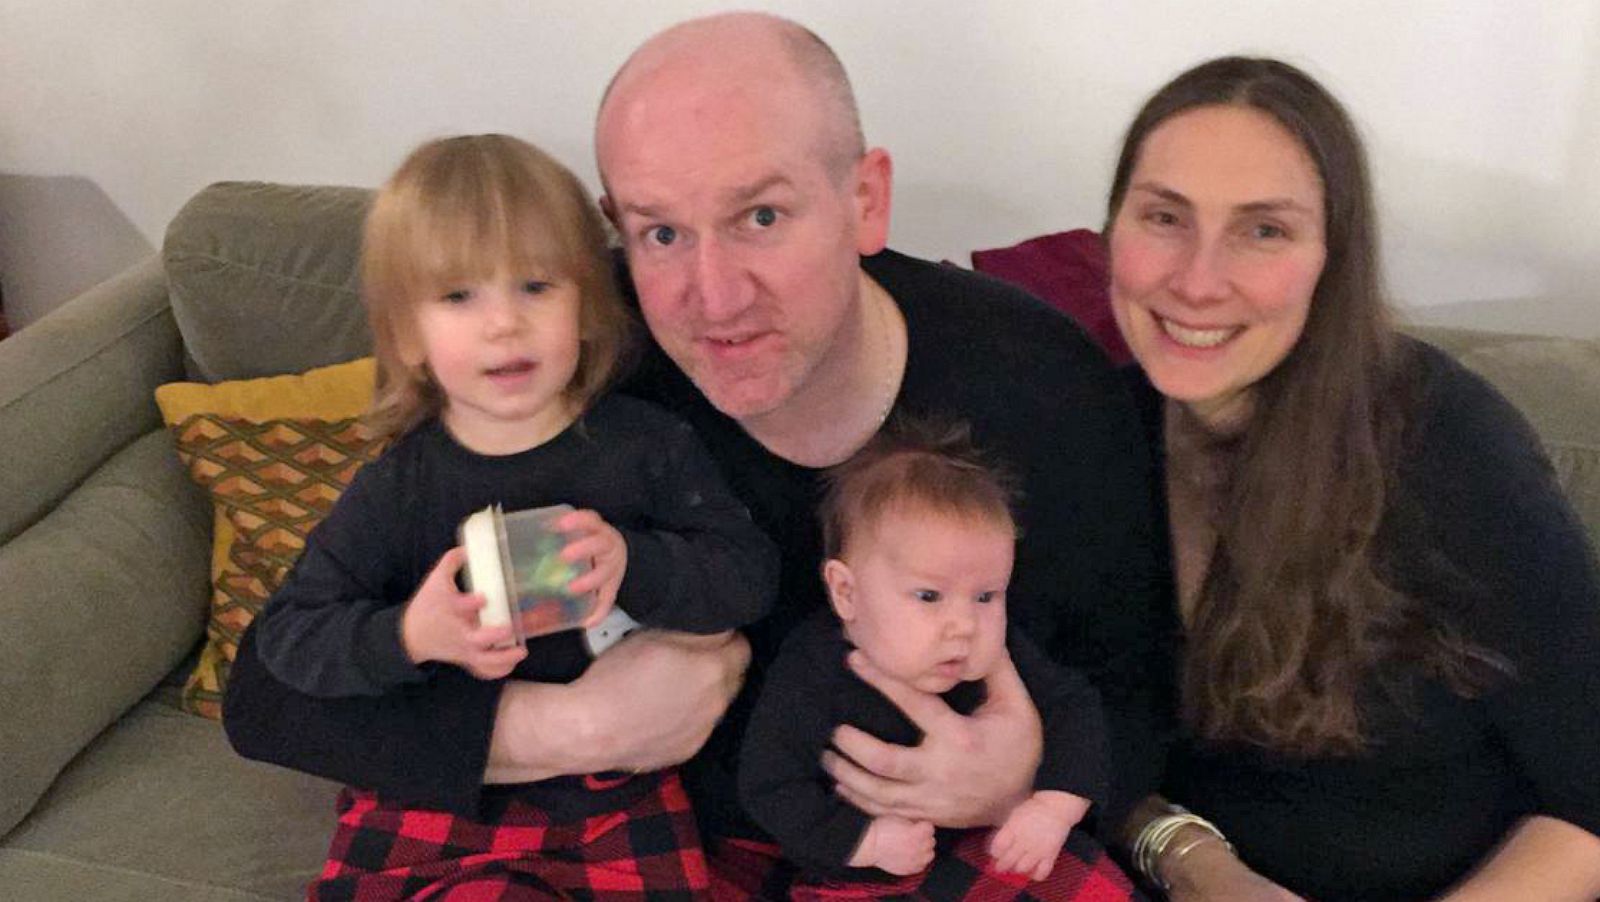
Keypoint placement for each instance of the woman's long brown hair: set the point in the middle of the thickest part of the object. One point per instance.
(1295, 615)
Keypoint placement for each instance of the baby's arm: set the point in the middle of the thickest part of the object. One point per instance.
(781, 784)
(1075, 758)
(701, 565)
(1072, 773)
(1032, 836)
(898, 846)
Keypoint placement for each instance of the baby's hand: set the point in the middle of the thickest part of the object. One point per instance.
(896, 845)
(591, 538)
(440, 623)
(1031, 838)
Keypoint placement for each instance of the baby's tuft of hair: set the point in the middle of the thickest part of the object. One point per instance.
(923, 465)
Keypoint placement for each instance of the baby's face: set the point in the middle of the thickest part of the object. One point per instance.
(923, 595)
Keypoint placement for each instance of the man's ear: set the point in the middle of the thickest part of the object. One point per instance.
(841, 588)
(873, 187)
(609, 210)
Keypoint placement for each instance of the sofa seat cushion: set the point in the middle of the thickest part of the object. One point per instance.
(159, 807)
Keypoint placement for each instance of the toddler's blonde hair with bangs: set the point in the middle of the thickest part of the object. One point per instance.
(458, 210)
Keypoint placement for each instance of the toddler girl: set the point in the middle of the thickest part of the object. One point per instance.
(497, 328)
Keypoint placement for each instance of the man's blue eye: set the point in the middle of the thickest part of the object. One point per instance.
(663, 235)
(535, 286)
(764, 216)
(457, 296)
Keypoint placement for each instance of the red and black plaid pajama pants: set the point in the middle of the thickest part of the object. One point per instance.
(645, 849)
(744, 871)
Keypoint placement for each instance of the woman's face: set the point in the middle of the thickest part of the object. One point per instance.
(1215, 253)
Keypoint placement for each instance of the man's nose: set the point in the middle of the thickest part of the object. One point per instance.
(1202, 273)
(720, 282)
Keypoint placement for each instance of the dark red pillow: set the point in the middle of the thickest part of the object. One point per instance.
(1067, 269)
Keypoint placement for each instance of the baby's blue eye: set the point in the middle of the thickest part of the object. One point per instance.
(930, 596)
(458, 296)
(663, 235)
(986, 597)
(535, 286)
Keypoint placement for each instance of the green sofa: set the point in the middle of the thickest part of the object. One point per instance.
(108, 791)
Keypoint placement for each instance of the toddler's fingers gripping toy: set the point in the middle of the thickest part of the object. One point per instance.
(514, 562)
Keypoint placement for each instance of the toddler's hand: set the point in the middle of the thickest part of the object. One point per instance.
(896, 845)
(440, 623)
(1030, 840)
(591, 538)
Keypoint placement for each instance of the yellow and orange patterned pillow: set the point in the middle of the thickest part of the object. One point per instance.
(274, 454)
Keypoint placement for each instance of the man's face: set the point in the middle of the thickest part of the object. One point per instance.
(742, 241)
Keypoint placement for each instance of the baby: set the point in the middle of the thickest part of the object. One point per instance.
(919, 539)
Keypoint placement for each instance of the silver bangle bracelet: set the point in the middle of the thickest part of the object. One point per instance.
(1156, 835)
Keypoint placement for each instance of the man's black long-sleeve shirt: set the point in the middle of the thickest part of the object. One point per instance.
(1092, 587)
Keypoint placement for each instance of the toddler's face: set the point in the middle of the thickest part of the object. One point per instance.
(502, 352)
(923, 595)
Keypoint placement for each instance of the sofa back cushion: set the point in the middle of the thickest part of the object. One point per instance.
(1555, 383)
(263, 278)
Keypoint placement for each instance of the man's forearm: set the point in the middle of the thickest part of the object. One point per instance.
(540, 732)
(647, 703)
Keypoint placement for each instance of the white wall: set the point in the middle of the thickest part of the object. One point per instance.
(1483, 116)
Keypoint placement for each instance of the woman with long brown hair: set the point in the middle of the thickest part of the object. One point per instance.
(1390, 676)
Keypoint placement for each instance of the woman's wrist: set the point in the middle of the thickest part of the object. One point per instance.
(1194, 854)
(1168, 835)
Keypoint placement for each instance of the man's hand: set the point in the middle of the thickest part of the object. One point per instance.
(649, 702)
(1031, 838)
(895, 845)
(968, 771)
(440, 623)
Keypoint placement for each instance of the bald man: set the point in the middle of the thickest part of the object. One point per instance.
(754, 221)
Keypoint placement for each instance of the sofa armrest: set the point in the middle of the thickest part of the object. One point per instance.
(77, 386)
(100, 599)
(103, 570)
